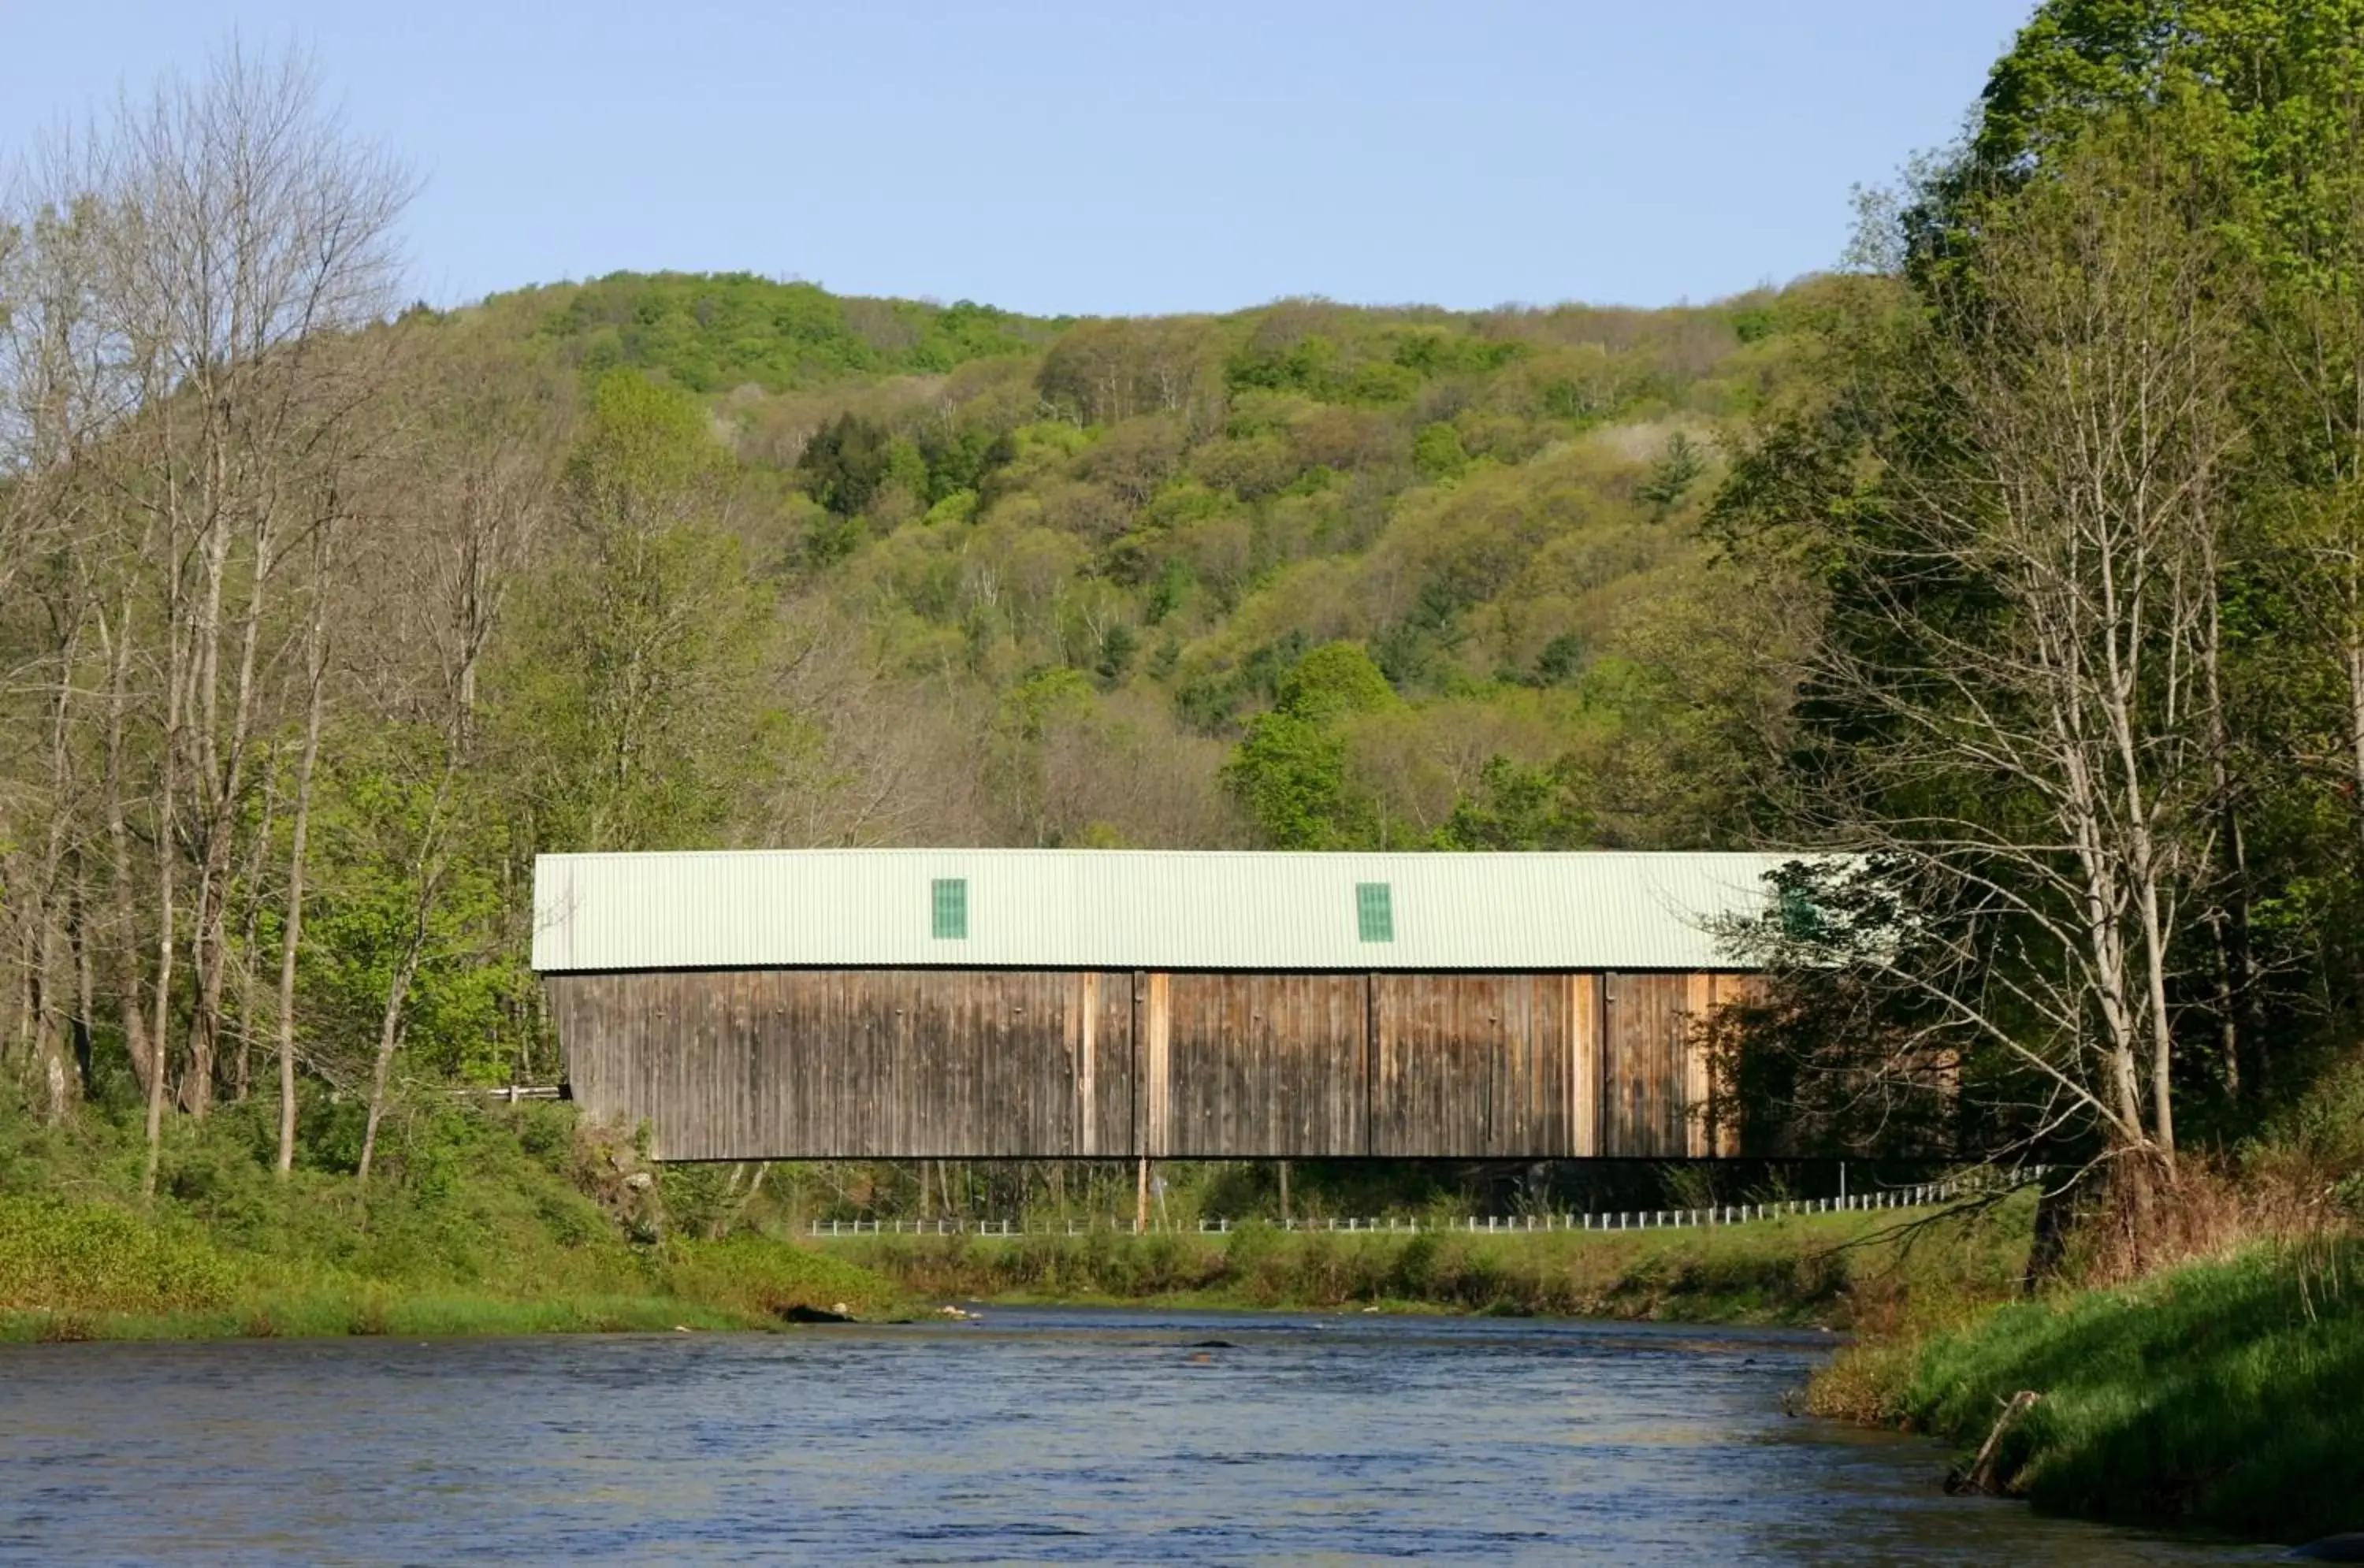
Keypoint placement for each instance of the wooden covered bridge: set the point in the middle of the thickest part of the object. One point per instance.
(1047, 1003)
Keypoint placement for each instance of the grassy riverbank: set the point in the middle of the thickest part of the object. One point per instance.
(1837, 1271)
(2224, 1390)
(2227, 1394)
(499, 1219)
(504, 1220)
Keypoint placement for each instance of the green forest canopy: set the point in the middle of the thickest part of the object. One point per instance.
(1123, 535)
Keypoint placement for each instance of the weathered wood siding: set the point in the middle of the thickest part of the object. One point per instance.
(1655, 1091)
(1646, 1095)
(1586, 1022)
(1047, 1064)
(853, 1063)
(1263, 1065)
(1472, 1065)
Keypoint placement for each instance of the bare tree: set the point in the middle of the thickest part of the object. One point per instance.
(185, 363)
(2024, 634)
(255, 231)
(488, 448)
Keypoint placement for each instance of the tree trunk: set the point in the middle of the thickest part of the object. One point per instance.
(2055, 1217)
(242, 1071)
(389, 1041)
(51, 1026)
(167, 858)
(315, 671)
(130, 976)
(85, 982)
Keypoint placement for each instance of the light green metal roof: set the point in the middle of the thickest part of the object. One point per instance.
(1139, 909)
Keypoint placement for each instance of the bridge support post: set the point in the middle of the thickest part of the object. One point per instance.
(1141, 1199)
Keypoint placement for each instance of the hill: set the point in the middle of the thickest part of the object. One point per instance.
(1000, 546)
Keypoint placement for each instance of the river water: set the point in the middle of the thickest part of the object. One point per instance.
(1051, 1436)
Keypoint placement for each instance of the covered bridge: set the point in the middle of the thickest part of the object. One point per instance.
(1096, 1004)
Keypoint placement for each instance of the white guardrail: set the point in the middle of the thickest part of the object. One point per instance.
(1918, 1196)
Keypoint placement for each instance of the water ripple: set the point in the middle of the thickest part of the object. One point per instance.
(1034, 1437)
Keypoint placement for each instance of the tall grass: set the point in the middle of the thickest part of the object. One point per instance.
(2226, 1394)
(2207, 1369)
(483, 1220)
(1827, 1269)
(67, 1258)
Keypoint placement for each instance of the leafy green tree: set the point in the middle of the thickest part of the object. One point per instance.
(847, 461)
(1678, 468)
(1521, 808)
(634, 698)
(1437, 452)
(963, 461)
(1118, 646)
(1561, 660)
(2264, 100)
(1289, 770)
(409, 905)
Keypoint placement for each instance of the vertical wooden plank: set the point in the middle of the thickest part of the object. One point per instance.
(1730, 989)
(1138, 1143)
(662, 1060)
(816, 1057)
(922, 1032)
(1087, 1025)
(1113, 1067)
(1612, 1089)
(1547, 998)
(763, 1093)
(777, 1088)
(1157, 1136)
(1674, 1132)
(994, 1131)
(1372, 1091)
(805, 1059)
(681, 1130)
(1396, 1131)
(682, 1107)
(835, 1072)
(1527, 1062)
(1699, 1003)
(655, 1022)
(961, 1021)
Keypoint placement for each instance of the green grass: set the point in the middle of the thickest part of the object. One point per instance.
(381, 1312)
(89, 1272)
(499, 1221)
(2228, 1394)
(68, 1258)
(1836, 1270)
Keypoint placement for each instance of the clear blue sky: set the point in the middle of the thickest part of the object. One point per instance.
(1097, 158)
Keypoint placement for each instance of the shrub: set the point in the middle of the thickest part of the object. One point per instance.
(60, 1257)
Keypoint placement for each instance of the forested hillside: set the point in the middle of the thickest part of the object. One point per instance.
(321, 618)
(1009, 546)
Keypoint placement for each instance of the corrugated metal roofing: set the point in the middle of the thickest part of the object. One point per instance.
(1138, 909)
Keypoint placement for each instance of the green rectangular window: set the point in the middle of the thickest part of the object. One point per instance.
(1375, 911)
(951, 907)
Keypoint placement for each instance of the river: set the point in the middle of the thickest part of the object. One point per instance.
(1031, 1436)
